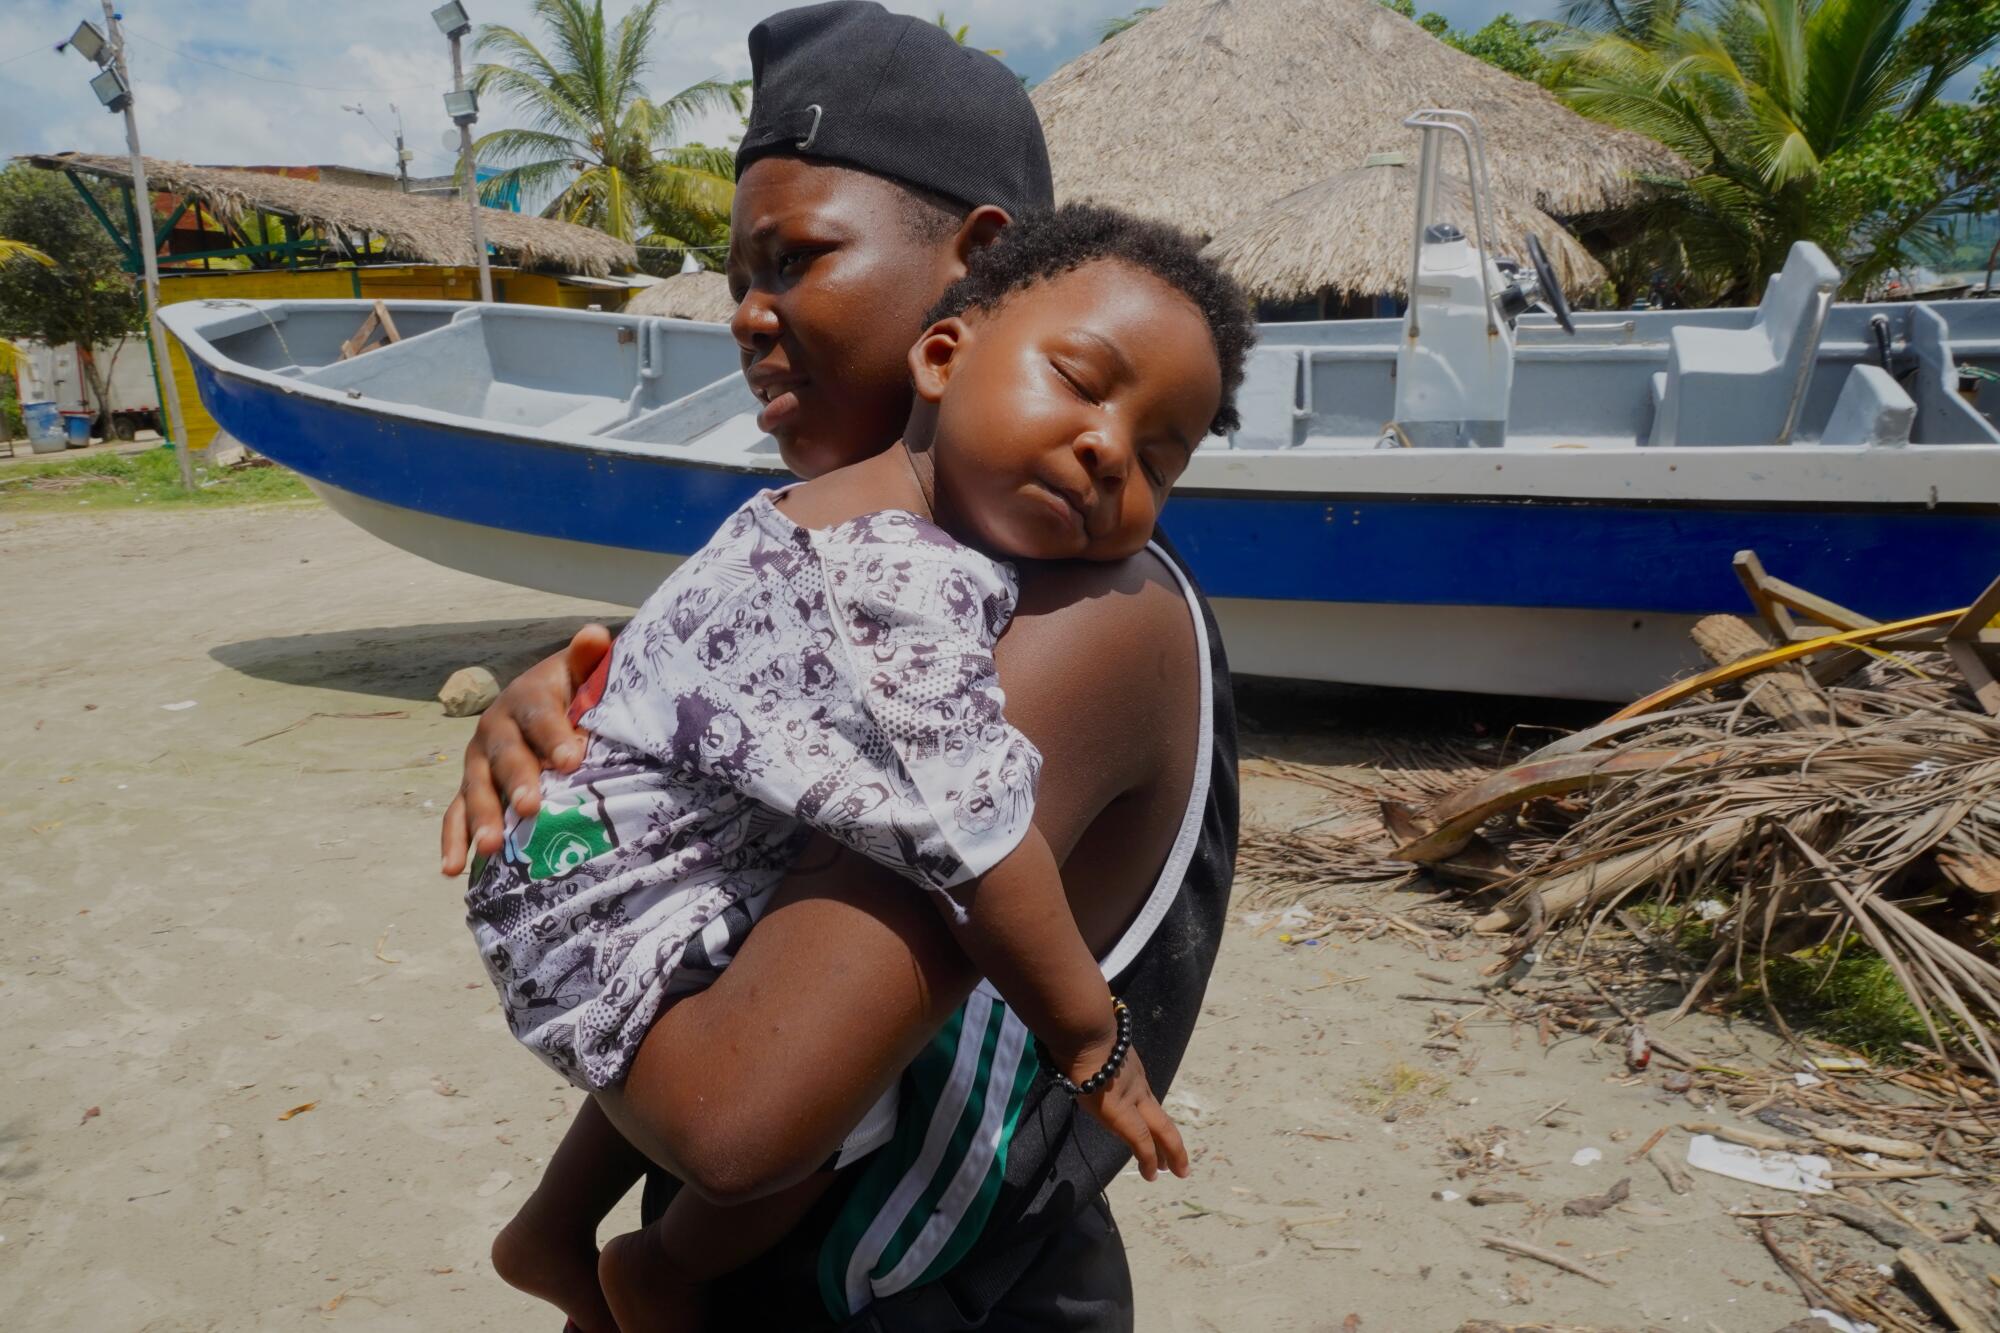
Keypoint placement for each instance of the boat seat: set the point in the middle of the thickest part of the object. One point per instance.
(1872, 409)
(1943, 417)
(1744, 386)
(1268, 401)
(593, 418)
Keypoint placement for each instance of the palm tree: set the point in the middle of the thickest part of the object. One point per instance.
(599, 149)
(1772, 102)
(958, 34)
(1123, 23)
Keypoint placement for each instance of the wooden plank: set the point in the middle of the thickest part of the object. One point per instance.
(354, 346)
(1750, 572)
(1967, 643)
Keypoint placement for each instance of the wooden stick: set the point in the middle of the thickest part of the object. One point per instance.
(1549, 1257)
(1648, 1145)
(1841, 1138)
(1749, 1138)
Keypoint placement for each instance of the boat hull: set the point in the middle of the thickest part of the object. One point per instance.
(1553, 652)
(1568, 572)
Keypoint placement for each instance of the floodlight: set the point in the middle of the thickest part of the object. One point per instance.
(451, 19)
(109, 85)
(462, 106)
(90, 43)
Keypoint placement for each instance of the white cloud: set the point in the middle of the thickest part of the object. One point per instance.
(226, 80)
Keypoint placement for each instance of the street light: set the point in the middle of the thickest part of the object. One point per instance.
(462, 105)
(114, 89)
(89, 42)
(109, 85)
(451, 20)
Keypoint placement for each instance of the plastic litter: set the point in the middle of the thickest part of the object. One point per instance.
(1807, 1080)
(1638, 1051)
(1801, 1173)
(1586, 1157)
(179, 707)
(1845, 1325)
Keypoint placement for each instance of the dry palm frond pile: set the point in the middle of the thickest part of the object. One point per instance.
(1878, 835)
(1350, 845)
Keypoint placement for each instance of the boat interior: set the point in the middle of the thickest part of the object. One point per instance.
(1797, 369)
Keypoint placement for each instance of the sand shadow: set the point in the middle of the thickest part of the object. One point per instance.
(1312, 722)
(398, 661)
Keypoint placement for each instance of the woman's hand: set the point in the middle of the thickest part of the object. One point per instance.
(1126, 1106)
(526, 730)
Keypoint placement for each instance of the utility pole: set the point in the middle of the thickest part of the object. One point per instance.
(402, 153)
(170, 393)
(463, 107)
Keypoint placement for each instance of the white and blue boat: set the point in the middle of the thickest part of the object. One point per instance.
(1472, 497)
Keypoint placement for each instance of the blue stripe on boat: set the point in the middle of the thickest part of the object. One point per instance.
(1438, 552)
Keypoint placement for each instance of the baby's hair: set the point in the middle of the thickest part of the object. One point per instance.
(1048, 244)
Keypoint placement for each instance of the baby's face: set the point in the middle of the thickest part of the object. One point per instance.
(1065, 415)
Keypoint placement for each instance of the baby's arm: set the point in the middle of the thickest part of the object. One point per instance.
(1019, 932)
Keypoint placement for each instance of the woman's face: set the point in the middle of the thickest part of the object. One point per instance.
(832, 283)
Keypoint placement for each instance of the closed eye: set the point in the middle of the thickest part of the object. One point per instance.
(1075, 384)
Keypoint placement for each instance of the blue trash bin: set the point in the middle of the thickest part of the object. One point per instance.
(76, 429)
(45, 428)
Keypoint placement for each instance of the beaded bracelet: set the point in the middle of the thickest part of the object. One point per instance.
(1123, 1043)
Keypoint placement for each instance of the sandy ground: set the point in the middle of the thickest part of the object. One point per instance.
(221, 768)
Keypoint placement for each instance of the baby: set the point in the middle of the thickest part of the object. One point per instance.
(825, 665)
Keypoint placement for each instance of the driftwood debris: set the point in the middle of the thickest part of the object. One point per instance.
(1957, 1299)
(1783, 693)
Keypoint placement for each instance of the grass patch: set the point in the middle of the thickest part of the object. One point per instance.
(129, 481)
(1857, 1002)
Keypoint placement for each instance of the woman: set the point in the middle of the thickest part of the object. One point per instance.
(872, 137)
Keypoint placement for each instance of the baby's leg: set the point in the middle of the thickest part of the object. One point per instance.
(550, 1248)
(654, 1278)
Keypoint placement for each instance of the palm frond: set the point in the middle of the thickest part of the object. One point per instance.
(21, 250)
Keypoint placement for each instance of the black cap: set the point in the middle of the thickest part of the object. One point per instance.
(851, 83)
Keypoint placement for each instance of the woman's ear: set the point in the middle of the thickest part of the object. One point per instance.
(982, 227)
(934, 355)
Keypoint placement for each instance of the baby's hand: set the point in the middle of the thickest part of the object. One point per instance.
(1126, 1106)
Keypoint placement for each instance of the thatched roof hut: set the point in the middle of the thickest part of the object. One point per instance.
(1351, 233)
(698, 296)
(1208, 108)
(431, 230)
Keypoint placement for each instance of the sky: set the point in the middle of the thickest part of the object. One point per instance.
(265, 81)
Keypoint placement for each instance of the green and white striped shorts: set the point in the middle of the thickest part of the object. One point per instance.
(924, 1197)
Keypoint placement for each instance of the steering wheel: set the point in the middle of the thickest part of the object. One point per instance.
(1552, 291)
